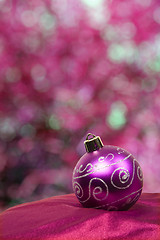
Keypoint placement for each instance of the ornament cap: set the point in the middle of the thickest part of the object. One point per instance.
(93, 144)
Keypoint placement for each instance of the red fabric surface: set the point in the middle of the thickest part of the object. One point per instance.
(63, 218)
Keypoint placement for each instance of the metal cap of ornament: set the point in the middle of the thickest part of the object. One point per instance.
(93, 144)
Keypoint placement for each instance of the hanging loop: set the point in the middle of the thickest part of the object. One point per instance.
(90, 134)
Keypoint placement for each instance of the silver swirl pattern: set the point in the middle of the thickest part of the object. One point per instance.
(121, 178)
(131, 200)
(80, 170)
(109, 157)
(121, 199)
(78, 190)
(99, 192)
(120, 150)
(112, 208)
(139, 173)
(124, 176)
(91, 171)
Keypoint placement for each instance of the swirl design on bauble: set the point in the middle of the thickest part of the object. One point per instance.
(121, 178)
(122, 199)
(135, 198)
(98, 189)
(139, 173)
(109, 158)
(120, 150)
(80, 170)
(112, 208)
(130, 201)
(85, 172)
(78, 190)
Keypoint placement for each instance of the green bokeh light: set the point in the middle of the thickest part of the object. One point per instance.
(155, 65)
(116, 119)
(121, 52)
(47, 21)
(116, 52)
(93, 3)
(54, 122)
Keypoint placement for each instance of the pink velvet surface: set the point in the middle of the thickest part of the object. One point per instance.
(63, 218)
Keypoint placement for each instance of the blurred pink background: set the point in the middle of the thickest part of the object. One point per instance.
(68, 68)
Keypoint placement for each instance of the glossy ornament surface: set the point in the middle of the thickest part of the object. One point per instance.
(107, 177)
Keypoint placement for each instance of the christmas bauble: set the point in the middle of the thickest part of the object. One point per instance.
(107, 177)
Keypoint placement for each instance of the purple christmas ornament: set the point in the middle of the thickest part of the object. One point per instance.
(107, 177)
